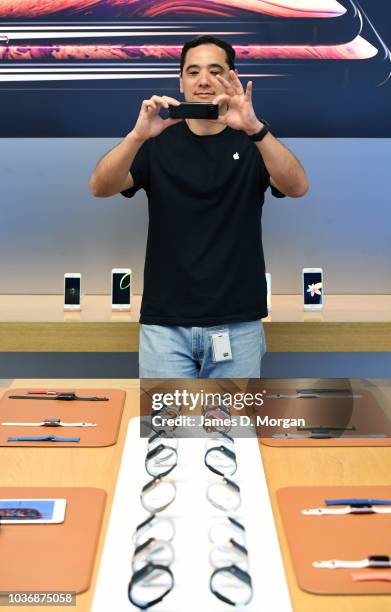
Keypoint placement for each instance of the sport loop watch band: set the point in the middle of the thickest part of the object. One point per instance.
(357, 500)
(41, 439)
(326, 436)
(50, 423)
(66, 397)
(350, 509)
(371, 561)
(145, 575)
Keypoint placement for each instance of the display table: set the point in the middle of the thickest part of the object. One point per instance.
(38, 323)
(98, 467)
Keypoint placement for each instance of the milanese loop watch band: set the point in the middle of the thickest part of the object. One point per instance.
(350, 509)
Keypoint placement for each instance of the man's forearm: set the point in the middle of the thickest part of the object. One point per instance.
(112, 170)
(283, 166)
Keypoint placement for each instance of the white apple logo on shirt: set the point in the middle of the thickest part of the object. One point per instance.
(236, 155)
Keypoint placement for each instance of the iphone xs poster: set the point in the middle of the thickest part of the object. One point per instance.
(82, 67)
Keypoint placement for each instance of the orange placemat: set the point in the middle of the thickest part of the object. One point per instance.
(52, 557)
(363, 412)
(319, 538)
(107, 415)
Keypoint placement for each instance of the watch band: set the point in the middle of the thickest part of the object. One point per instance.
(223, 530)
(162, 437)
(224, 495)
(229, 552)
(353, 500)
(156, 551)
(326, 436)
(146, 574)
(313, 395)
(169, 412)
(258, 136)
(67, 397)
(351, 509)
(41, 439)
(162, 526)
(161, 460)
(146, 495)
(50, 423)
(372, 561)
(326, 428)
(237, 574)
(225, 452)
(220, 438)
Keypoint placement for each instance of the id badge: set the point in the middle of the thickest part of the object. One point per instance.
(221, 347)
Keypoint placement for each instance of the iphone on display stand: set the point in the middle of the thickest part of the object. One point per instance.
(32, 511)
(72, 283)
(269, 291)
(313, 293)
(121, 288)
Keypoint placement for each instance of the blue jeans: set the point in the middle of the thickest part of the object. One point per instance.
(186, 352)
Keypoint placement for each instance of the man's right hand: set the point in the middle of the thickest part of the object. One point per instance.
(149, 123)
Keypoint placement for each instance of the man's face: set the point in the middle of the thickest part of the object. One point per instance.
(198, 82)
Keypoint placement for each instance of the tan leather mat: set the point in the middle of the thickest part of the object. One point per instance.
(106, 414)
(361, 412)
(348, 537)
(52, 557)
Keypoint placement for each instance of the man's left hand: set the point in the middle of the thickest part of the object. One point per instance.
(240, 114)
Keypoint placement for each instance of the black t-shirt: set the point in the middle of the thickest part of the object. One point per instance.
(204, 263)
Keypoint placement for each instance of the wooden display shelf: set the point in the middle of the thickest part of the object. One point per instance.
(38, 323)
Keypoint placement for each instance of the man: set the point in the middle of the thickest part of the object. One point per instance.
(204, 278)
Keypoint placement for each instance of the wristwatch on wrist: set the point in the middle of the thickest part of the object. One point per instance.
(262, 133)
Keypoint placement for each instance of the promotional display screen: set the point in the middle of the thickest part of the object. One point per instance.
(72, 291)
(313, 288)
(60, 59)
(19, 509)
(121, 288)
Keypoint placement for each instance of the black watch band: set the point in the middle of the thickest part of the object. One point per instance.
(262, 133)
(143, 574)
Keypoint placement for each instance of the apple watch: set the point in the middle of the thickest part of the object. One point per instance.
(221, 460)
(161, 460)
(150, 585)
(224, 495)
(229, 527)
(158, 494)
(262, 132)
(160, 552)
(159, 527)
(230, 552)
(232, 585)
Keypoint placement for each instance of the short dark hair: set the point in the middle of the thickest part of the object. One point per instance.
(209, 40)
